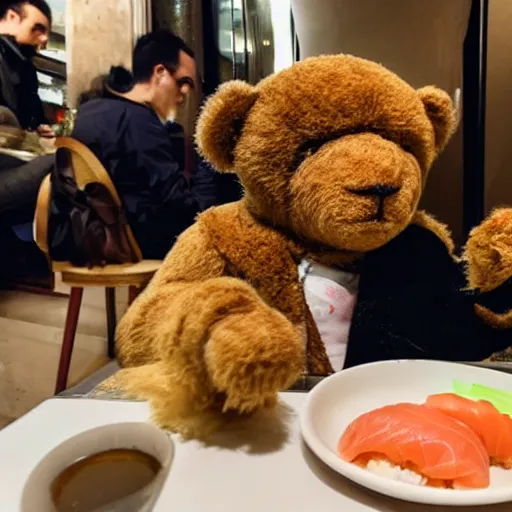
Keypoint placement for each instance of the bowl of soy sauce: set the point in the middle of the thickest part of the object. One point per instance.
(114, 468)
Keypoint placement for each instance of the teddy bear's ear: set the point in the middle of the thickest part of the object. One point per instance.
(442, 113)
(221, 121)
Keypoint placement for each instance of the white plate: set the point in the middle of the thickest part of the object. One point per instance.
(342, 397)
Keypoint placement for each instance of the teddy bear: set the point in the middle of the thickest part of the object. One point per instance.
(326, 262)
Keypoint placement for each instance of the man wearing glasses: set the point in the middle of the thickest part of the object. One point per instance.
(125, 126)
(24, 30)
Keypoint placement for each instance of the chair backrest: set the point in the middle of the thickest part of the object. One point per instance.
(88, 169)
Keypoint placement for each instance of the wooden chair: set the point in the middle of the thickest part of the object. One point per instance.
(133, 275)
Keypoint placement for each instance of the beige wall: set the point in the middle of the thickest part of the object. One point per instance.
(422, 41)
(498, 178)
(99, 34)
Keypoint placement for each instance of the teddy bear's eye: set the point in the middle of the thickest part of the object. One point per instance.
(397, 139)
(309, 148)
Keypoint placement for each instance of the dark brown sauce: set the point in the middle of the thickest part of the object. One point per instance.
(103, 478)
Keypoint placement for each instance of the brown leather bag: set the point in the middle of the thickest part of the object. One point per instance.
(86, 226)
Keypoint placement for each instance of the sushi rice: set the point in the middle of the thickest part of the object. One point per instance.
(386, 469)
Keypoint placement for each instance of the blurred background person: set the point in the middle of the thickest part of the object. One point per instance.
(24, 30)
(129, 124)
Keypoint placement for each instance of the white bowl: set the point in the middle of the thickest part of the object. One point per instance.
(141, 436)
(342, 397)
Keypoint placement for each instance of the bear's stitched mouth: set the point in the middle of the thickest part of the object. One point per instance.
(374, 218)
(380, 193)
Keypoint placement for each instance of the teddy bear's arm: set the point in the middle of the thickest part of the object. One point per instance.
(488, 255)
(211, 334)
(192, 260)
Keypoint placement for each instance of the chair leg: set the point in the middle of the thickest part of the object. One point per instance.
(110, 297)
(75, 301)
(133, 293)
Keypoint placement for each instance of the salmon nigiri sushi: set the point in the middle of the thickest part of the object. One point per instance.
(405, 440)
(494, 428)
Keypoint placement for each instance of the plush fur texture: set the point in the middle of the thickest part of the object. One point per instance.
(333, 154)
(489, 251)
(489, 262)
(293, 129)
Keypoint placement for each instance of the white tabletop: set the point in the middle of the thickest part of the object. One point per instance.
(21, 155)
(261, 467)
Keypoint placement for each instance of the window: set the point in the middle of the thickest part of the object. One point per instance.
(254, 37)
(57, 45)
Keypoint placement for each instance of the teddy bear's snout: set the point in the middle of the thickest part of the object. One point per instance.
(380, 192)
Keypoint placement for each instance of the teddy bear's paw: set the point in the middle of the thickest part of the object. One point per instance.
(488, 252)
(177, 403)
(253, 356)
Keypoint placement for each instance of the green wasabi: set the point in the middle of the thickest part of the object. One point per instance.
(502, 400)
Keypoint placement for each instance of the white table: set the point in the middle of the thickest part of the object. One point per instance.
(20, 155)
(262, 467)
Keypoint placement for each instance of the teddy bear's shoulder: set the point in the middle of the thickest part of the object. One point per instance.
(231, 228)
(233, 231)
(218, 218)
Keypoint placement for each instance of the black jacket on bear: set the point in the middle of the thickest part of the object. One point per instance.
(413, 304)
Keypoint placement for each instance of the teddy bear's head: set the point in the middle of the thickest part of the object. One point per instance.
(335, 149)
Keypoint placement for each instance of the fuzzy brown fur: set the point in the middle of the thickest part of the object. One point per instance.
(488, 254)
(224, 324)
(489, 251)
(304, 147)
(208, 351)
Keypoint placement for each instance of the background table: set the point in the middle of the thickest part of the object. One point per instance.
(21, 155)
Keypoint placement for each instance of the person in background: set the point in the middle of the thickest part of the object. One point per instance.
(19, 180)
(24, 30)
(19, 186)
(125, 126)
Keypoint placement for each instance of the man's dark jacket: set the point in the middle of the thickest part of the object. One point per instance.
(146, 165)
(19, 84)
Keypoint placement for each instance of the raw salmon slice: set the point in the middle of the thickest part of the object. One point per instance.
(420, 438)
(494, 428)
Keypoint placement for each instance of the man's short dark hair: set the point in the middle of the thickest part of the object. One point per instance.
(17, 6)
(158, 47)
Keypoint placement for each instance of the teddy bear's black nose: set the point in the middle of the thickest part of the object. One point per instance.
(381, 191)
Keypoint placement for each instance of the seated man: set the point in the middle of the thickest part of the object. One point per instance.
(24, 30)
(125, 127)
(19, 186)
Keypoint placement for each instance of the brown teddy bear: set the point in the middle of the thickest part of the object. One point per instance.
(326, 262)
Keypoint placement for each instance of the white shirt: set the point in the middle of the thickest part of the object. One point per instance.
(331, 295)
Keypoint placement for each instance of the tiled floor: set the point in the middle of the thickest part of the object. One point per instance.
(31, 328)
